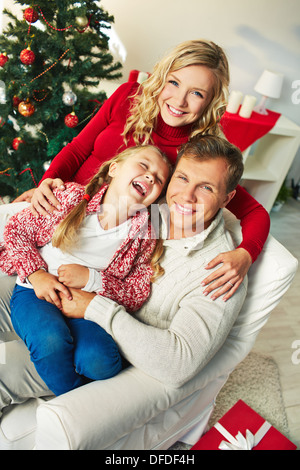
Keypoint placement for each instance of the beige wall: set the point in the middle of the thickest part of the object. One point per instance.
(256, 34)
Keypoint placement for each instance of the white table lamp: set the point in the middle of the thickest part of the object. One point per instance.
(269, 85)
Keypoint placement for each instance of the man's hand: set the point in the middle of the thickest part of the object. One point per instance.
(76, 307)
(46, 286)
(73, 275)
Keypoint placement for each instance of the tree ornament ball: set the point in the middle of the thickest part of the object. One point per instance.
(82, 21)
(16, 101)
(3, 59)
(30, 15)
(26, 108)
(69, 98)
(71, 120)
(27, 56)
(16, 143)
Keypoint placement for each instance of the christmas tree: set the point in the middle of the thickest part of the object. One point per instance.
(51, 63)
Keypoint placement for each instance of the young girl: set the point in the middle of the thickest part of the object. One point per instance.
(104, 243)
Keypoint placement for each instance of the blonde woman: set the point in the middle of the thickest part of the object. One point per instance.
(101, 241)
(185, 95)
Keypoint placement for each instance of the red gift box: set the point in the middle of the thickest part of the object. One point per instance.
(244, 428)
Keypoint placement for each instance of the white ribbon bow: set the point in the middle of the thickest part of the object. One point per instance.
(239, 442)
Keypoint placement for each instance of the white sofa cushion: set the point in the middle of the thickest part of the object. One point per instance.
(268, 280)
(18, 426)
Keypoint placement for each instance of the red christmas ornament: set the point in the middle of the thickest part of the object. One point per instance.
(26, 108)
(27, 56)
(30, 15)
(71, 120)
(3, 59)
(16, 142)
(16, 101)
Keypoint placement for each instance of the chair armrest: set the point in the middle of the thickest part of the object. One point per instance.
(98, 414)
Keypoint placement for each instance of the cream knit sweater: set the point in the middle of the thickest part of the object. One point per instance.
(178, 330)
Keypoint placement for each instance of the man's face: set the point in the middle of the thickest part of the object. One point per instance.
(196, 192)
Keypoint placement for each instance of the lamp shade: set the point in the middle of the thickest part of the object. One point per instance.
(269, 84)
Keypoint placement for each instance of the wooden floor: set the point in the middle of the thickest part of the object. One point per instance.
(283, 327)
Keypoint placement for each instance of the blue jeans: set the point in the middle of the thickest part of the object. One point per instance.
(66, 352)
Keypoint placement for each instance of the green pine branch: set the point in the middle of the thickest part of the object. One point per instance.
(86, 61)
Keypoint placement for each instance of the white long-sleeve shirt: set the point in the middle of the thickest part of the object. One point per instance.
(94, 250)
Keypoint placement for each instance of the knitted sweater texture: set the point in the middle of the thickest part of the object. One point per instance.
(127, 277)
(178, 330)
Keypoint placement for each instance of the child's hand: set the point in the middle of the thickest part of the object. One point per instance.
(73, 275)
(46, 286)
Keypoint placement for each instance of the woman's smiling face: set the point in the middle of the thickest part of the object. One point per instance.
(186, 95)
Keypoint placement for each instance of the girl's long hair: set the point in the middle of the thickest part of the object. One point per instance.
(145, 107)
(66, 233)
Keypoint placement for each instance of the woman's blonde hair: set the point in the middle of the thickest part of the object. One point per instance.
(145, 107)
(66, 233)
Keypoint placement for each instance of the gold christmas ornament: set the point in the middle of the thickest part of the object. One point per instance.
(82, 21)
(26, 108)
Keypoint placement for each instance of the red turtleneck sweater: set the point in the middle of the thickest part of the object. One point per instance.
(101, 139)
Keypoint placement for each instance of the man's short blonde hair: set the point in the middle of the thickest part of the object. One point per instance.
(206, 147)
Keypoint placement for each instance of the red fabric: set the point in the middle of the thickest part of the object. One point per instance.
(239, 418)
(133, 75)
(255, 221)
(101, 139)
(244, 132)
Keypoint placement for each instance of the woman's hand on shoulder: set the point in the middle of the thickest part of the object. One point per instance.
(228, 277)
(43, 200)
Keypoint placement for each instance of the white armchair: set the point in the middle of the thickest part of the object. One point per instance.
(134, 411)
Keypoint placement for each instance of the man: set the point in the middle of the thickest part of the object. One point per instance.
(179, 329)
